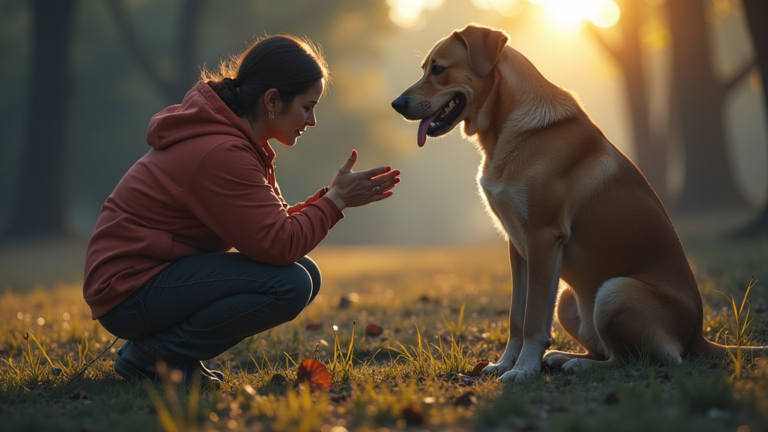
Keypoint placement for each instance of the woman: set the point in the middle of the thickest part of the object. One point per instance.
(157, 269)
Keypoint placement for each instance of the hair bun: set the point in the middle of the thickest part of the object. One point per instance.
(234, 82)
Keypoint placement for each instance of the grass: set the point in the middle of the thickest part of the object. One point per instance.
(442, 312)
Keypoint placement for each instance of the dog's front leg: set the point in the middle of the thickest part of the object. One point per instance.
(516, 314)
(545, 259)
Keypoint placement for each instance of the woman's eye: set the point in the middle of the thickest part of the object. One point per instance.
(437, 70)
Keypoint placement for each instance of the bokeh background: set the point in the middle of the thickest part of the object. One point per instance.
(674, 84)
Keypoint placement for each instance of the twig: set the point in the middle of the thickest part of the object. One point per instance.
(82, 371)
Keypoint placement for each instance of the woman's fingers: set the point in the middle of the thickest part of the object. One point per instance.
(387, 176)
(350, 162)
(381, 196)
(377, 171)
(389, 184)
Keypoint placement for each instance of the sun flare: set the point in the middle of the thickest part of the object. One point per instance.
(407, 13)
(571, 13)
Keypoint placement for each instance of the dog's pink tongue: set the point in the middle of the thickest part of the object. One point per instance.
(421, 138)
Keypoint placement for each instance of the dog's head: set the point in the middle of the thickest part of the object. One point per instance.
(457, 71)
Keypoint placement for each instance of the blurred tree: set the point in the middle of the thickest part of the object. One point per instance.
(39, 207)
(699, 102)
(756, 12)
(185, 59)
(650, 144)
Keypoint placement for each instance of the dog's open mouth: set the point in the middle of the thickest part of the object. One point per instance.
(441, 122)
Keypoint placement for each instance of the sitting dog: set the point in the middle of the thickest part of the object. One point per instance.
(579, 216)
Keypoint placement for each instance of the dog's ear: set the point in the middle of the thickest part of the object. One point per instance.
(484, 46)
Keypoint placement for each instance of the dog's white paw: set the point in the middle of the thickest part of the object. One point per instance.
(517, 375)
(500, 367)
(575, 365)
(555, 361)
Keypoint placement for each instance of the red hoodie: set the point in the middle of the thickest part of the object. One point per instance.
(207, 185)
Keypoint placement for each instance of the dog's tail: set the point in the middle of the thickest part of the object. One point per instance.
(705, 347)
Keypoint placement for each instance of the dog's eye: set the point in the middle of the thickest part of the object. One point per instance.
(437, 69)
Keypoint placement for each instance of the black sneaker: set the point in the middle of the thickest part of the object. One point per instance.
(134, 364)
(213, 373)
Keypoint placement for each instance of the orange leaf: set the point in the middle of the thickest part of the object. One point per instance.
(478, 370)
(373, 330)
(315, 373)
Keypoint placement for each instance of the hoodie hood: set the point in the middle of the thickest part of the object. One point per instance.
(201, 112)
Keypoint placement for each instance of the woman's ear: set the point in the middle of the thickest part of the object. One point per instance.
(271, 99)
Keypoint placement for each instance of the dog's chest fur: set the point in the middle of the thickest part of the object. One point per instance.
(508, 204)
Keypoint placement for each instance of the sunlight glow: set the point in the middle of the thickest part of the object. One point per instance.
(571, 13)
(406, 13)
(508, 8)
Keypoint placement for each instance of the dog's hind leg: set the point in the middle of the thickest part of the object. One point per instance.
(582, 331)
(635, 321)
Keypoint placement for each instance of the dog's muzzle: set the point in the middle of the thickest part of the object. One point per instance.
(401, 104)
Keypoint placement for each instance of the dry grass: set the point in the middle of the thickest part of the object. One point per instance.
(442, 310)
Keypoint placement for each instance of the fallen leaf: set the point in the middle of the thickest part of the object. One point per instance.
(424, 298)
(373, 330)
(478, 369)
(314, 373)
(313, 325)
(413, 415)
(466, 399)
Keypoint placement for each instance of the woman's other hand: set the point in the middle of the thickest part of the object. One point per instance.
(355, 189)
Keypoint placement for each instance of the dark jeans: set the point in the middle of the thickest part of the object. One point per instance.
(202, 305)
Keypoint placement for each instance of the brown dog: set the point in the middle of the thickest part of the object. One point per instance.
(572, 207)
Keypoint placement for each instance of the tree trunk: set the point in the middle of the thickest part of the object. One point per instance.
(187, 46)
(650, 147)
(700, 96)
(756, 12)
(185, 65)
(39, 206)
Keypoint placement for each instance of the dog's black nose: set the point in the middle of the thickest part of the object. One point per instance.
(400, 104)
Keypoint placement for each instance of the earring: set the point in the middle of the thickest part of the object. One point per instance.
(271, 114)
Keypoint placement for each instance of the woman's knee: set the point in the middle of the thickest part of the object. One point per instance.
(314, 273)
(297, 290)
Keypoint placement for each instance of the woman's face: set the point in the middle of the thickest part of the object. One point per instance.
(289, 122)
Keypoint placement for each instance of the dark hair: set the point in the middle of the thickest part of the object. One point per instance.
(290, 64)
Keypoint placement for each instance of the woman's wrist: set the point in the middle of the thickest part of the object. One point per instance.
(334, 196)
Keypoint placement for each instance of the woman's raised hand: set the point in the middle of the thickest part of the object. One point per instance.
(355, 189)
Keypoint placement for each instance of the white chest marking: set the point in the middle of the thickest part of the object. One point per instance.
(508, 205)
